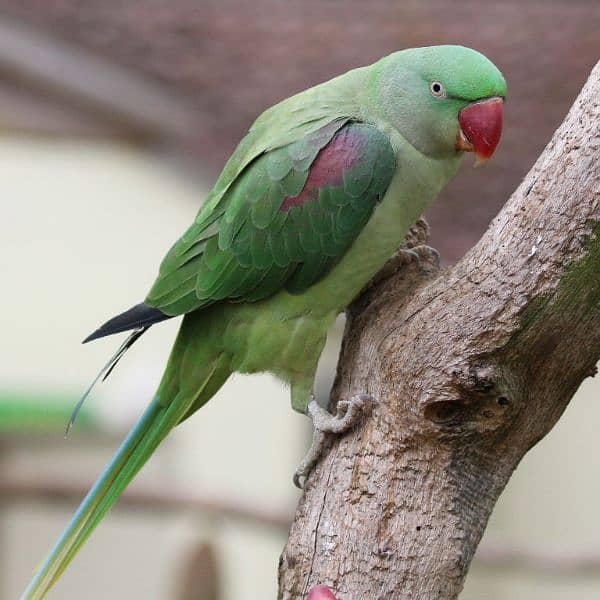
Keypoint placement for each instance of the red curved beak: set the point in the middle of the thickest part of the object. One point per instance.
(480, 128)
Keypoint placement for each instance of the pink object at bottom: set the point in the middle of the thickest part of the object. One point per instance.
(321, 592)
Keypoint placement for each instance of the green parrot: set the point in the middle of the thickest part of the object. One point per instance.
(315, 199)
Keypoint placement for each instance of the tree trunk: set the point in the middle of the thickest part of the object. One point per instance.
(471, 366)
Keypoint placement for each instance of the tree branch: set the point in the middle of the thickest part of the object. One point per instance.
(472, 366)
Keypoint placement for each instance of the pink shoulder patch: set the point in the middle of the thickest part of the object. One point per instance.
(327, 170)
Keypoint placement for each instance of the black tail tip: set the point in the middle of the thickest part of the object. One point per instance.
(91, 337)
(139, 316)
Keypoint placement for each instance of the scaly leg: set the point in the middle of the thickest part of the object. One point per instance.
(347, 415)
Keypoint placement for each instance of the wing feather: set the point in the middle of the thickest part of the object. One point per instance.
(284, 222)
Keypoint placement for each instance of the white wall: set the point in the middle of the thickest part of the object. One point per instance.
(84, 228)
(550, 508)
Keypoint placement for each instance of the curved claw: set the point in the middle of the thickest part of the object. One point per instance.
(310, 460)
(425, 251)
(347, 414)
(410, 255)
(417, 254)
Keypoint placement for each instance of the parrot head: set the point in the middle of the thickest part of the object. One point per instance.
(445, 100)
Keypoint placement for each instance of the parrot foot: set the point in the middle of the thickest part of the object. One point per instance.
(420, 253)
(347, 415)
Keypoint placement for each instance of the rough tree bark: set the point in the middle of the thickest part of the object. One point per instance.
(472, 366)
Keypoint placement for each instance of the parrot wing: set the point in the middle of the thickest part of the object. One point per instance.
(285, 220)
(283, 223)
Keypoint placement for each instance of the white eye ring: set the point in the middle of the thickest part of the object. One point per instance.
(437, 89)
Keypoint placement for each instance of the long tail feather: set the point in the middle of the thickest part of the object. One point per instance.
(106, 370)
(153, 426)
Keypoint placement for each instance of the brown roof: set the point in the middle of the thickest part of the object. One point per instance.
(233, 58)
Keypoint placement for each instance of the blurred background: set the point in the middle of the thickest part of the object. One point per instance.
(115, 118)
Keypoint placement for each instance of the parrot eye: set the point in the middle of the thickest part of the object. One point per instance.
(437, 89)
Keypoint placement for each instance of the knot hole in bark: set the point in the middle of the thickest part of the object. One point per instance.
(475, 398)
